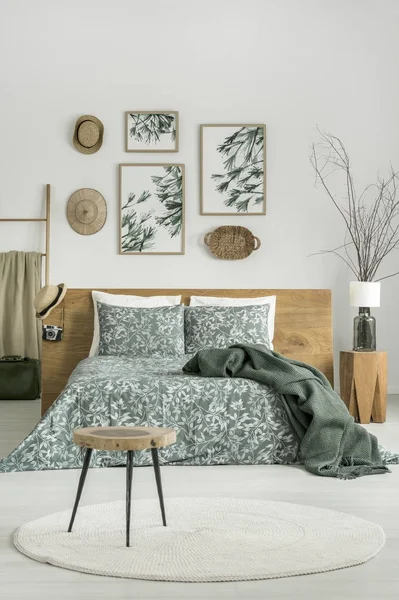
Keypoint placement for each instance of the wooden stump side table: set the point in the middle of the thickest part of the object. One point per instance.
(120, 439)
(363, 380)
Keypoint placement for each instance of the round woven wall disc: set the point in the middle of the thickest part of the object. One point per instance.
(86, 211)
(88, 134)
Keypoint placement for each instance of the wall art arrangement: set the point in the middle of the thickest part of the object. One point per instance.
(151, 208)
(152, 196)
(152, 131)
(233, 170)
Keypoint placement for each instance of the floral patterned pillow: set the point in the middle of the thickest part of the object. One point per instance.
(222, 326)
(141, 331)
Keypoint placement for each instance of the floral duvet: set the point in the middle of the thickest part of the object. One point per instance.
(218, 420)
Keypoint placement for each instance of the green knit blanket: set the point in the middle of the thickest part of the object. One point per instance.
(331, 443)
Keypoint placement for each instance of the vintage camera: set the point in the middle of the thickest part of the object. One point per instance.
(52, 333)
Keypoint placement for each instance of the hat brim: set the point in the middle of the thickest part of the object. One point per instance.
(98, 144)
(64, 288)
(77, 222)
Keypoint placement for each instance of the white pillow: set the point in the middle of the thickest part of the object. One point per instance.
(211, 301)
(122, 300)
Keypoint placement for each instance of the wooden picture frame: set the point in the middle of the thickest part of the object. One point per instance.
(151, 131)
(223, 191)
(145, 224)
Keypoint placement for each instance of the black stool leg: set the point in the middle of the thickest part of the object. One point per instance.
(155, 460)
(82, 479)
(129, 477)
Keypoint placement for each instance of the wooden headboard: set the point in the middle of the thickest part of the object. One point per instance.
(302, 329)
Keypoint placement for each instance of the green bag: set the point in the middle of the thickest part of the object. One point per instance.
(19, 378)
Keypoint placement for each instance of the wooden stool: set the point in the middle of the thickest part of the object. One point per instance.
(120, 439)
(363, 379)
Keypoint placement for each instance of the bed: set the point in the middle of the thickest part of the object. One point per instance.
(219, 421)
(303, 329)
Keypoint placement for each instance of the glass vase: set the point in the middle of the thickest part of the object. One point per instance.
(364, 331)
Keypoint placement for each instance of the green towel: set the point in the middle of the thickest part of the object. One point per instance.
(331, 443)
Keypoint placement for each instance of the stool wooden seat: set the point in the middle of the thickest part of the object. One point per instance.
(120, 439)
(124, 438)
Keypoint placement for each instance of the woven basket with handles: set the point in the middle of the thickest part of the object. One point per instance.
(231, 242)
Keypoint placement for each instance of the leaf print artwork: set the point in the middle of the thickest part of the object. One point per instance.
(170, 194)
(152, 208)
(132, 199)
(233, 169)
(242, 179)
(149, 128)
(151, 131)
(138, 236)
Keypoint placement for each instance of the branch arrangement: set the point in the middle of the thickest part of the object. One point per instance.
(242, 179)
(371, 219)
(170, 194)
(142, 217)
(139, 236)
(148, 128)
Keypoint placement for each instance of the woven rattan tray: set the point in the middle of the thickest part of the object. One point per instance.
(231, 242)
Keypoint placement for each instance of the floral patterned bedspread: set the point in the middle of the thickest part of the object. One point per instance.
(218, 421)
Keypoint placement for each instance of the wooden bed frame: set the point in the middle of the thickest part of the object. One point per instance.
(302, 329)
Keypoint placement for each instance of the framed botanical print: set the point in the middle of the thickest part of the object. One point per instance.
(151, 208)
(233, 169)
(152, 131)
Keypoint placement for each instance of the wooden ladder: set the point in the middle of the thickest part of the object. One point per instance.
(47, 221)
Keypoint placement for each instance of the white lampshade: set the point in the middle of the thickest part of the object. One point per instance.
(364, 293)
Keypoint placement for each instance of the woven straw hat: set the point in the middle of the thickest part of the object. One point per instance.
(48, 298)
(86, 211)
(88, 134)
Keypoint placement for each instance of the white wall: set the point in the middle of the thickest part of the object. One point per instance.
(288, 63)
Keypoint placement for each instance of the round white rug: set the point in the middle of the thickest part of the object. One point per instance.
(207, 539)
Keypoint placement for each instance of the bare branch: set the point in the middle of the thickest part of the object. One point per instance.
(371, 218)
(340, 256)
(388, 276)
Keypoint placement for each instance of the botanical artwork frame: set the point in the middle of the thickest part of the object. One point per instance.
(151, 208)
(233, 169)
(152, 131)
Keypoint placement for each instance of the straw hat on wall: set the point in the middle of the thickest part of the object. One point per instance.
(48, 298)
(86, 211)
(88, 134)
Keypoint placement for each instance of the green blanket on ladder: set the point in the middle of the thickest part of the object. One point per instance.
(331, 443)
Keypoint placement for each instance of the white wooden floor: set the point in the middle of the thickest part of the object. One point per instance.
(25, 496)
(17, 419)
